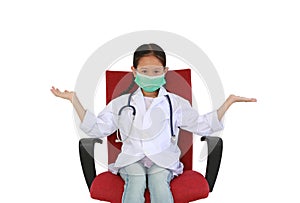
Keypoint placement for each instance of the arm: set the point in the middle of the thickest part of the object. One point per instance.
(78, 107)
(101, 126)
(229, 101)
(71, 96)
(206, 124)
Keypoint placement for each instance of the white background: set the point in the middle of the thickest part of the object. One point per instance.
(254, 45)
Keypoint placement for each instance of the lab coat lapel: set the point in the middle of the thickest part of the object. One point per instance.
(160, 97)
(139, 102)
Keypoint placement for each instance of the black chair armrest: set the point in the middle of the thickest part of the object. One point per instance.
(86, 152)
(215, 148)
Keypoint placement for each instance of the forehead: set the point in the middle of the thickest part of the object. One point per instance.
(149, 61)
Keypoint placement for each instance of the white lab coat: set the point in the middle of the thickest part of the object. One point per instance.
(149, 133)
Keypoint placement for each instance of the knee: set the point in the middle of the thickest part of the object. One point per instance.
(160, 180)
(135, 182)
(134, 188)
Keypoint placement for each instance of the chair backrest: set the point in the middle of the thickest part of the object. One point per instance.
(178, 82)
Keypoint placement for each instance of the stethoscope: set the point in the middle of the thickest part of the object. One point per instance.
(173, 137)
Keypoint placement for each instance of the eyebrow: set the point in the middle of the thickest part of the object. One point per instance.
(154, 68)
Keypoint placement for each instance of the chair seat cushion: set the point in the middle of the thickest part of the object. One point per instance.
(187, 187)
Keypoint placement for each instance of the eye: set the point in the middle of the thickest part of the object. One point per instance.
(144, 71)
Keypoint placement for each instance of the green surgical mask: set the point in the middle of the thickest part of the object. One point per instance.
(149, 83)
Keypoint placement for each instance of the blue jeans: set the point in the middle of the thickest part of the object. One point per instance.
(135, 176)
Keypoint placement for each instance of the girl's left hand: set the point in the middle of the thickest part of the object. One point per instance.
(230, 100)
(233, 98)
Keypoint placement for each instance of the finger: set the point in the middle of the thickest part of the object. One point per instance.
(53, 92)
(250, 99)
(56, 92)
(52, 89)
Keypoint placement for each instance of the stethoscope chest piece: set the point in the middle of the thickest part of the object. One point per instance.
(173, 139)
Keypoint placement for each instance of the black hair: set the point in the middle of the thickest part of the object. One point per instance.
(149, 50)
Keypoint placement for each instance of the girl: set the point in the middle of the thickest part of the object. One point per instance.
(148, 150)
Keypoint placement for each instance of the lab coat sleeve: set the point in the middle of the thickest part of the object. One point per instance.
(190, 120)
(99, 126)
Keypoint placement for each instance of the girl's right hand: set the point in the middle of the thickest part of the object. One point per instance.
(65, 95)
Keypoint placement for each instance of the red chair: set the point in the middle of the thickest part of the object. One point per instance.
(187, 187)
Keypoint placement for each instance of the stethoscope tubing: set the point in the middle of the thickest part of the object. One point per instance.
(134, 113)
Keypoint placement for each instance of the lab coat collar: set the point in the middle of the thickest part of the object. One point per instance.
(162, 92)
(138, 96)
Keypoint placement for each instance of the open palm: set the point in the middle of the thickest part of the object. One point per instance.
(65, 95)
(235, 98)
